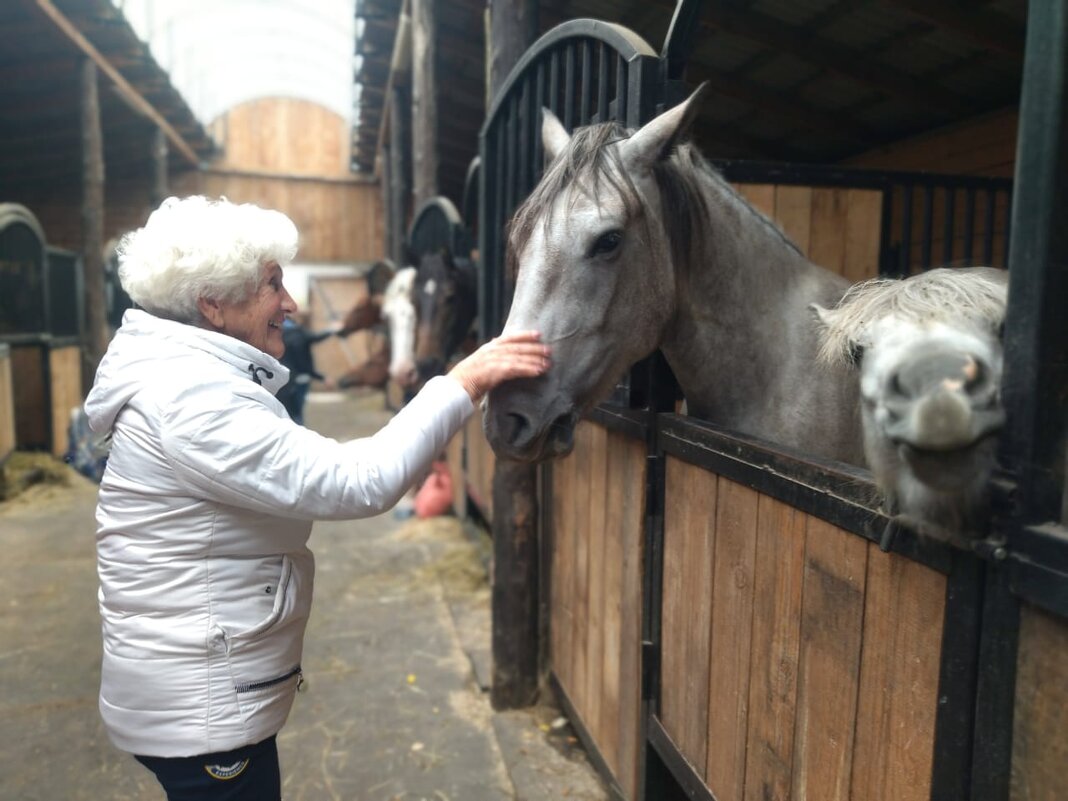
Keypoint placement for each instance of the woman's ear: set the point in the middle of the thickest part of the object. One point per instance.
(211, 312)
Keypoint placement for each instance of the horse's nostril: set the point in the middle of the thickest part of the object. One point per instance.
(517, 427)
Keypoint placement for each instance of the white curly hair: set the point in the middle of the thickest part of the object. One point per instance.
(197, 247)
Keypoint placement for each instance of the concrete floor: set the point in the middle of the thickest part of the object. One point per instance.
(396, 662)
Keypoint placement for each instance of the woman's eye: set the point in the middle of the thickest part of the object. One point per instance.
(606, 243)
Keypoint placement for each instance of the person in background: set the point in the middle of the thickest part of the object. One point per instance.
(209, 493)
(301, 363)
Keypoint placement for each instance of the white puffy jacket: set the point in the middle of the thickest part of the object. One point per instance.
(203, 521)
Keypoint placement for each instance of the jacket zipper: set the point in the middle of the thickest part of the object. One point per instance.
(262, 685)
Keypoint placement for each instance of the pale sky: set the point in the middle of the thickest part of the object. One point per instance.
(220, 53)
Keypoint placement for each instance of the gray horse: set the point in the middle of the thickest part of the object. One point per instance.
(929, 355)
(632, 242)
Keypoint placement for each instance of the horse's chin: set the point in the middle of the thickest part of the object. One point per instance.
(950, 470)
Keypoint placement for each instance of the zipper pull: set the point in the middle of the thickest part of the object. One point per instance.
(301, 684)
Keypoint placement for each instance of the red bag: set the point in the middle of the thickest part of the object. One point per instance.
(435, 496)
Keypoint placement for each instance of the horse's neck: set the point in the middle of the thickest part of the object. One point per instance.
(742, 341)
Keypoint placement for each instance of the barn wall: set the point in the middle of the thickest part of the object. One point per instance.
(283, 135)
(983, 146)
(339, 220)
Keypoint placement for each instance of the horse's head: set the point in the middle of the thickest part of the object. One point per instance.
(593, 274)
(400, 315)
(445, 295)
(930, 360)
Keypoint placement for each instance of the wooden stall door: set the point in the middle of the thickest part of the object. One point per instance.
(65, 374)
(798, 660)
(329, 301)
(598, 508)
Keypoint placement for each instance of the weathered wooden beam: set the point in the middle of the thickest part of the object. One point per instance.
(424, 102)
(122, 86)
(158, 153)
(517, 635)
(400, 66)
(399, 182)
(96, 333)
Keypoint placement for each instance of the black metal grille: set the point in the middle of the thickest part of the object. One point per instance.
(22, 280)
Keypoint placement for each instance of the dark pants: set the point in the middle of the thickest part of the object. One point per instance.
(244, 774)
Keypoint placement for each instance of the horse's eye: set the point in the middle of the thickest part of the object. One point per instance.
(856, 353)
(606, 243)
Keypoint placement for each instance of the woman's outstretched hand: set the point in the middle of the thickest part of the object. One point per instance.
(518, 354)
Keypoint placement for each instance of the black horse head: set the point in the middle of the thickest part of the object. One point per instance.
(446, 301)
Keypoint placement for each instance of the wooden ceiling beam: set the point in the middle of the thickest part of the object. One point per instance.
(820, 52)
(128, 93)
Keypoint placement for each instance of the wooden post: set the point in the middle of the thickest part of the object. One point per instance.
(424, 101)
(385, 184)
(400, 184)
(96, 334)
(516, 625)
(158, 153)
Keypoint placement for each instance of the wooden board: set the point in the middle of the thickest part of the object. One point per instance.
(29, 364)
(7, 406)
(1039, 741)
(65, 376)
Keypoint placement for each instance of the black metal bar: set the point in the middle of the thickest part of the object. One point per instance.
(1040, 586)
(1035, 382)
(593, 751)
(928, 224)
(602, 83)
(886, 231)
(539, 102)
(631, 423)
(495, 258)
(905, 264)
(954, 724)
(996, 685)
(585, 82)
(988, 227)
(525, 156)
(621, 90)
(969, 224)
(569, 87)
(554, 82)
(947, 225)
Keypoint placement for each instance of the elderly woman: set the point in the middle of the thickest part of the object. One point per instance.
(210, 491)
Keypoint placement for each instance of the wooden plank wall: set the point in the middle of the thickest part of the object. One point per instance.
(1039, 744)
(798, 660)
(7, 405)
(837, 229)
(283, 135)
(339, 220)
(65, 376)
(598, 507)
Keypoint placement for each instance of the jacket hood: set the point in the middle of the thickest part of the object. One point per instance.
(146, 349)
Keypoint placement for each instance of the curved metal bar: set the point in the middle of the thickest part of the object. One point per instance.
(625, 42)
(17, 213)
(439, 212)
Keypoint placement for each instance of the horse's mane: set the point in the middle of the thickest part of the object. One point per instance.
(399, 287)
(972, 297)
(682, 180)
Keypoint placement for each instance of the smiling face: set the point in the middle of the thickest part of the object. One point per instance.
(256, 320)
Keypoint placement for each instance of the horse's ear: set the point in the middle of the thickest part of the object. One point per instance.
(553, 135)
(655, 140)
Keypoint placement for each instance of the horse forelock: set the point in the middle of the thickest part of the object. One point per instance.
(950, 296)
(399, 287)
(588, 160)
